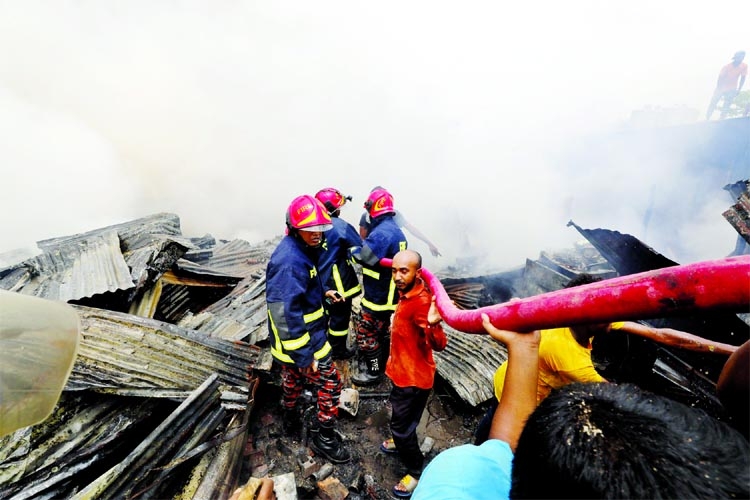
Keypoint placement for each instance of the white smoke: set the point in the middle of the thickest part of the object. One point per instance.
(222, 112)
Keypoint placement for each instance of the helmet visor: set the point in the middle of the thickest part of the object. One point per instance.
(318, 228)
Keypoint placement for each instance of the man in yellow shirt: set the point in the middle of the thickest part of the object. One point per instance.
(565, 354)
(564, 357)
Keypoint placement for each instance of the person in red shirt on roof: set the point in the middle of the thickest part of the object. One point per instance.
(415, 332)
(729, 84)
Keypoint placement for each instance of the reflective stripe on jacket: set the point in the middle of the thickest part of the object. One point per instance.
(336, 270)
(294, 295)
(384, 240)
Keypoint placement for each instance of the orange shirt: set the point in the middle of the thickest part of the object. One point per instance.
(412, 340)
(729, 76)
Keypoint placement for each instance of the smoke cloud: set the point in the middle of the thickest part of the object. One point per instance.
(222, 112)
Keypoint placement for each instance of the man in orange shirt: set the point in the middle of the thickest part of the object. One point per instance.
(727, 84)
(415, 332)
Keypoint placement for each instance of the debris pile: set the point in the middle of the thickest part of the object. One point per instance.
(174, 393)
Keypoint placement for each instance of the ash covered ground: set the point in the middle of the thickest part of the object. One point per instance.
(370, 474)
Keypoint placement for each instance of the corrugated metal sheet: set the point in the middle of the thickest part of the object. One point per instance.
(131, 233)
(175, 303)
(126, 256)
(197, 451)
(240, 315)
(84, 431)
(94, 447)
(237, 257)
(468, 364)
(129, 355)
(146, 468)
(204, 273)
(624, 252)
(82, 268)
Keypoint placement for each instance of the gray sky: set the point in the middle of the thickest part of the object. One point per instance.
(222, 112)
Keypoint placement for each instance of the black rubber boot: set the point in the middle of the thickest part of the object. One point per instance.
(339, 350)
(373, 370)
(328, 444)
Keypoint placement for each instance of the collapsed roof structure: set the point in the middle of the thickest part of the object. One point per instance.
(173, 342)
(175, 346)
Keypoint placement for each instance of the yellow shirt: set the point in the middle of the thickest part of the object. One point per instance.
(562, 360)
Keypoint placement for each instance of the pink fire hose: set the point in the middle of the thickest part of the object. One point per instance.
(722, 284)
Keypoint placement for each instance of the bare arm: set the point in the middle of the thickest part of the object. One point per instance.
(519, 393)
(416, 232)
(676, 338)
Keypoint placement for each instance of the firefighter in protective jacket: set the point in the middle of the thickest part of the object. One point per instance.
(384, 240)
(337, 271)
(297, 324)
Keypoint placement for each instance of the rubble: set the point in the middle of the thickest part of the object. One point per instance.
(174, 394)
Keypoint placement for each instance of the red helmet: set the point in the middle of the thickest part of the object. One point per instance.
(379, 202)
(306, 213)
(332, 199)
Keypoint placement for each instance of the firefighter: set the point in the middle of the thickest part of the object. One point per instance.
(383, 240)
(297, 324)
(337, 272)
(400, 220)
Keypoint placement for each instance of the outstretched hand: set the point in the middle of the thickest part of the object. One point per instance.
(434, 251)
(510, 338)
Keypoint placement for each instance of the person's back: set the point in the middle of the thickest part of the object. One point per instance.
(384, 240)
(337, 272)
(562, 360)
(618, 441)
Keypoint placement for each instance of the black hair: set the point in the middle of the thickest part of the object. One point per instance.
(604, 440)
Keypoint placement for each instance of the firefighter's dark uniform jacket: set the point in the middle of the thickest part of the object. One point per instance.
(336, 269)
(384, 240)
(294, 295)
